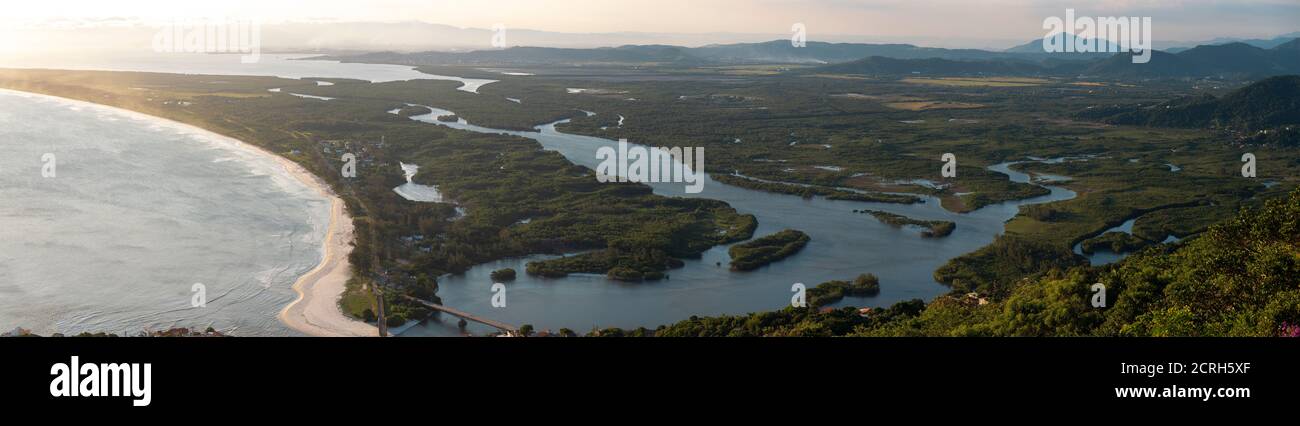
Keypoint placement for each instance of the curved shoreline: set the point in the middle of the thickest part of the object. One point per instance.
(315, 310)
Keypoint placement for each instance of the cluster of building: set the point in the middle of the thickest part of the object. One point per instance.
(364, 151)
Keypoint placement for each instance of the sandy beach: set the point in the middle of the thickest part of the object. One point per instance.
(315, 311)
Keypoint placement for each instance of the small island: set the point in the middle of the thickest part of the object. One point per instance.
(931, 228)
(808, 191)
(865, 285)
(643, 255)
(412, 110)
(502, 275)
(1116, 242)
(762, 251)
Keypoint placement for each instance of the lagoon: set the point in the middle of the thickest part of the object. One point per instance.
(844, 244)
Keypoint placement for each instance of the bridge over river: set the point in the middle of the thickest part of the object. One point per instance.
(508, 329)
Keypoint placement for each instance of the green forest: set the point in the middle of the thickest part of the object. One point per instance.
(1163, 153)
(1239, 278)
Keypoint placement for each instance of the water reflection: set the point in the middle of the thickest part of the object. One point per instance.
(844, 244)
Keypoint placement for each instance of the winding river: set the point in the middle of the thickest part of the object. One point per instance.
(1103, 256)
(844, 244)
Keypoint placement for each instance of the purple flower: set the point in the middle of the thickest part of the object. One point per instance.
(1288, 330)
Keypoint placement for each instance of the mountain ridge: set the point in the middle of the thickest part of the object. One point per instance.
(1232, 60)
(1237, 60)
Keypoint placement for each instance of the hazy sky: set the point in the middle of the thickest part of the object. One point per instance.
(982, 19)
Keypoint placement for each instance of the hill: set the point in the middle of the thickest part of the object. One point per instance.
(1036, 47)
(1234, 60)
(1267, 104)
(1288, 54)
(1262, 43)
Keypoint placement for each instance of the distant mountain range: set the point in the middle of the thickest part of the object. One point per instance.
(1257, 42)
(1227, 60)
(817, 52)
(1036, 46)
(1232, 60)
(1235, 60)
(1103, 46)
(777, 51)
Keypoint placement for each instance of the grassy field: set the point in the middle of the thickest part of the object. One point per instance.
(931, 105)
(978, 81)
